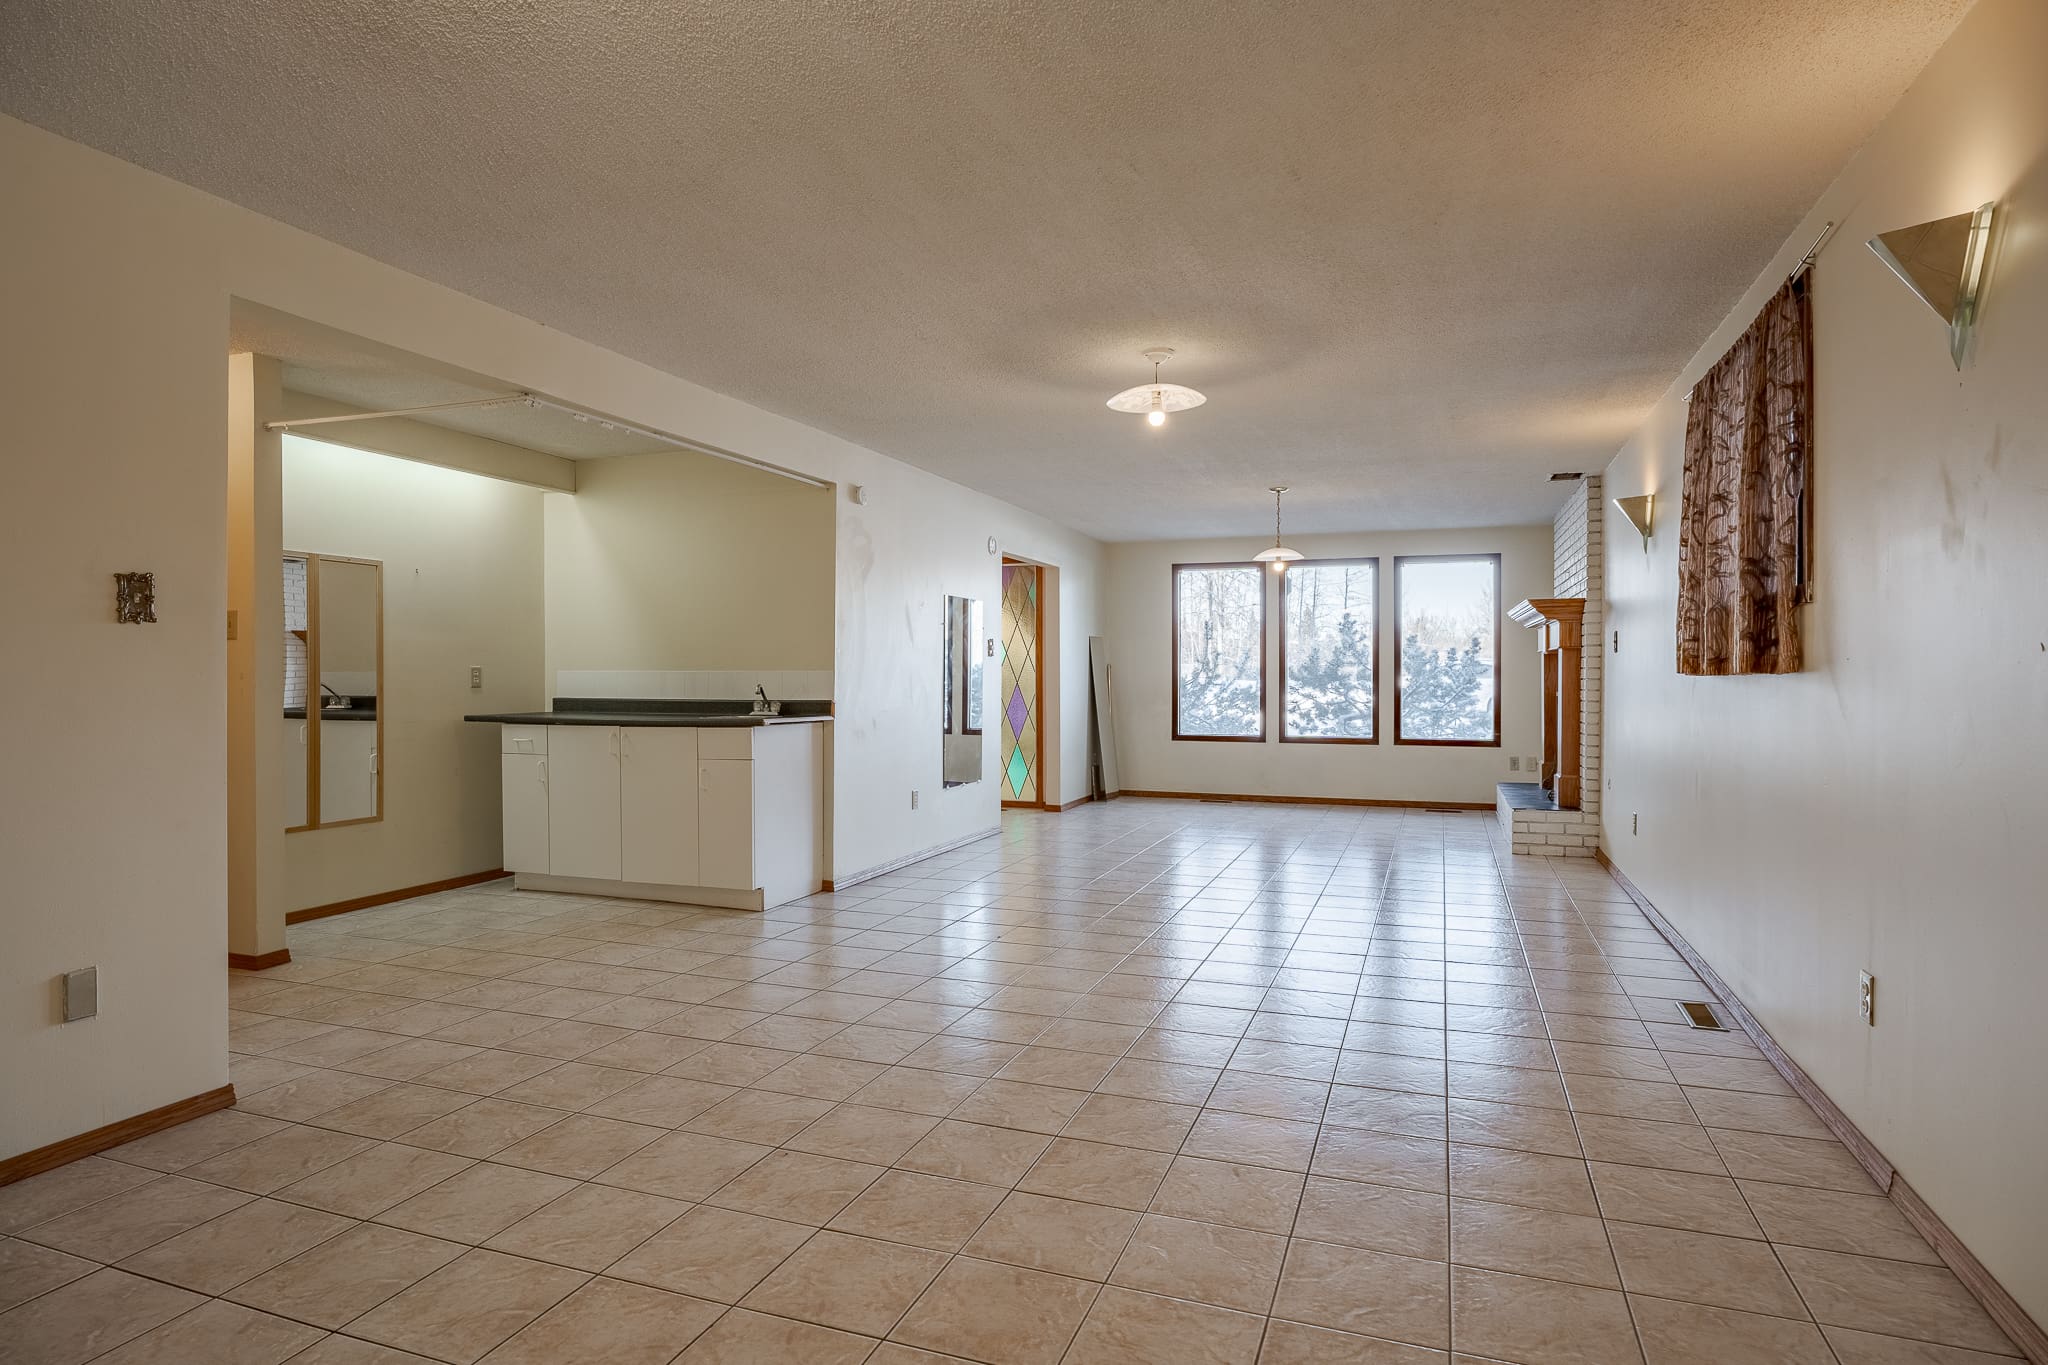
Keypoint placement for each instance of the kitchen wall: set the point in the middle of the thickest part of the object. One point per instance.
(1882, 809)
(1140, 587)
(120, 281)
(462, 589)
(682, 562)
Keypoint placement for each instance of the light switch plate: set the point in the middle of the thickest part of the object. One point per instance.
(81, 993)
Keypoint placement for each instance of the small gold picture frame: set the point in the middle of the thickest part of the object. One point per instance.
(135, 598)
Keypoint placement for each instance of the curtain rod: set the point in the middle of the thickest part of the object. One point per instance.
(698, 447)
(534, 400)
(1805, 264)
(1806, 261)
(289, 423)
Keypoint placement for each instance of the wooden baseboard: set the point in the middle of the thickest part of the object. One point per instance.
(1311, 800)
(1050, 807)
(113, 1135)
(2005, 1310)
(256, 962)
(883, 869)
(387, 897)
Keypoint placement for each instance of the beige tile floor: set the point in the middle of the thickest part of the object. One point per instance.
(1154, 1081)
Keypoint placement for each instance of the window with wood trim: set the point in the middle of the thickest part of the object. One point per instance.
(1219, 651)
(1329, 661)
(1447, 660)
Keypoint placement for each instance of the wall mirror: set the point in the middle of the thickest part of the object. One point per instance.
(333, 690)
(963, 691)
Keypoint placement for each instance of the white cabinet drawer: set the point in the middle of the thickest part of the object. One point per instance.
(736, 742)
(522, 739)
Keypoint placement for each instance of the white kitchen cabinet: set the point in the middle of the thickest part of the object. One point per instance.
(730, 816)
(658, 807)
(294, 773)
(725, 822)
(526, 812)
(583, 802)
(348, 770)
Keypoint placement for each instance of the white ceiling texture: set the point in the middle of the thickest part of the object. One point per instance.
(1419, 253)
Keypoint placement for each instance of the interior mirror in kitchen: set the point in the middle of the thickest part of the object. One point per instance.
(963, 692)
(333, 690)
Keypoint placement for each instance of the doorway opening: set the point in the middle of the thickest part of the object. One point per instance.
(1021, 634)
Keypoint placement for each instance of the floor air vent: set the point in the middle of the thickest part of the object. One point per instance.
(1440, 810)
(1700, 1014)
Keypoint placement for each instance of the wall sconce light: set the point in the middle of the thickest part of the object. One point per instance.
(1638, 510)
(1942, 262)
(135, 599)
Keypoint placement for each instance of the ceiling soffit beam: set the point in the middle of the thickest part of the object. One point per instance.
(403, 438)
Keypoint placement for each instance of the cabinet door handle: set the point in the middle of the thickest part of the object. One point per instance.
(541, 768)
(373, 760)
(614, 742)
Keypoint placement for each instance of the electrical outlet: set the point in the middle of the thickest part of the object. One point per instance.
(1634, 823)
(1533, 763)
(1514, 765)
(913, 798)
(1866, 998)
(1617, 642)
(81, 993)
(476, 676)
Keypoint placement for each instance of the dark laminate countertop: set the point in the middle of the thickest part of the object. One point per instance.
(696, 715)
(333, 713)
(682, 719)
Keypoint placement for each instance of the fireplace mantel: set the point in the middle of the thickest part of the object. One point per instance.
(1558, 622)
(1535, 612)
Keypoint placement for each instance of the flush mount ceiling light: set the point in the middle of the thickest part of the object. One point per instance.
(1279, 557)
(1942, 262)
(1156, 399)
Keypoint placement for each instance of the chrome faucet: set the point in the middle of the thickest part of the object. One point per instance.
(340, 703)
(763, 706)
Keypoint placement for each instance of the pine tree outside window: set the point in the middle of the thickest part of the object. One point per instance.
(1447, 690)
(1219, 651)
(1329, 660)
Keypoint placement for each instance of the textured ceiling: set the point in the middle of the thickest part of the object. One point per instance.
(1419, 255)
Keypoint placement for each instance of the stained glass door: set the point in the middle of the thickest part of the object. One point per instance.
(1020, 619)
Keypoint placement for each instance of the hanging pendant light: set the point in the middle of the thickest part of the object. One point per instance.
(1156, 399)
(1279, 557)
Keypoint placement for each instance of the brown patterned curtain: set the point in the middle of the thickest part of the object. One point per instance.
(1742, 527)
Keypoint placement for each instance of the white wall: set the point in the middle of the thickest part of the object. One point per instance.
(1883, 809)
(918, 540)
(462, 588)
(113, 842)
(684, 562)
(1140, 586)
